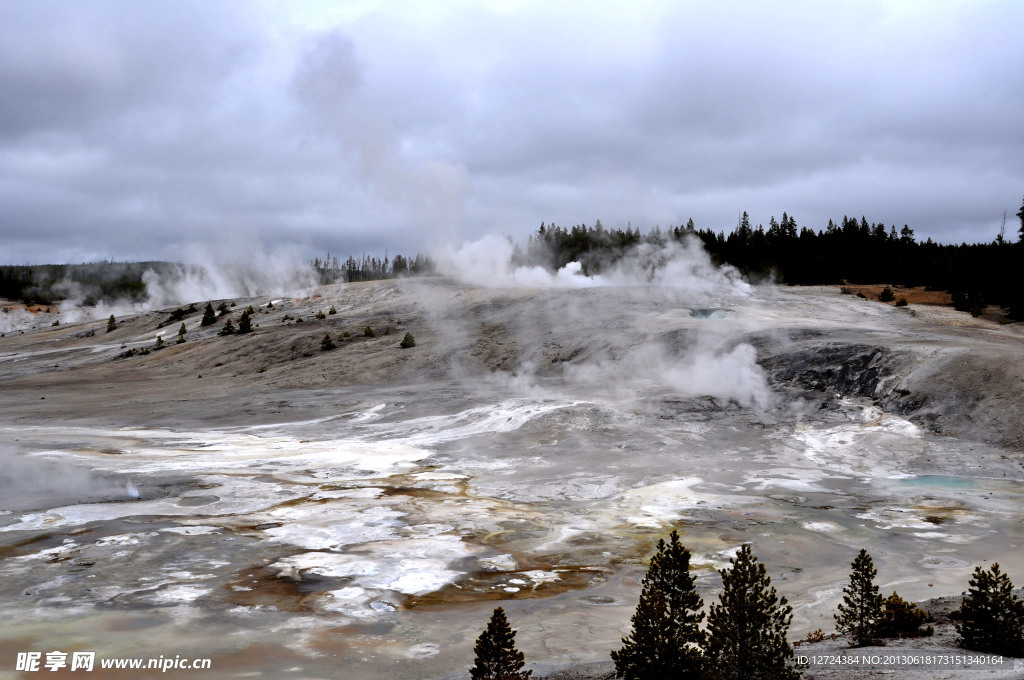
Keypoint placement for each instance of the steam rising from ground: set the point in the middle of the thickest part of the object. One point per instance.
(30, 482)
(15, 319)
(682, 265)
(280, 272)
(702, 371)
(676, 273)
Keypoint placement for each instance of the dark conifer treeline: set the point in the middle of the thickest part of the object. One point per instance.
(47, 283)
(370, 268)
(855, 251)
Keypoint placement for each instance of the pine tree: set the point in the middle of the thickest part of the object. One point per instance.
(368, 332)
(327, 344)
(181, 333)
(1020, 215)
(209, 317)
(991, 616)
(666, 637)
(408, 341)
(229, 328)
(747, 630)
(111, 324)
(861, 610)
(496, 655)
(245, 323)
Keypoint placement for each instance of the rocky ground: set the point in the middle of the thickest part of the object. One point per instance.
(816, 351)
(956, 375)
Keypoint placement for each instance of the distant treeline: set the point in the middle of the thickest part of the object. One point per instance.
(370, 268)
(45, 284)
(854, 251)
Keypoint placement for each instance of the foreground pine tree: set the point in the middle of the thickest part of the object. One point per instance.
(496, 655)
(860, 613)
(666, 638)
(991, 616)
(747, 630)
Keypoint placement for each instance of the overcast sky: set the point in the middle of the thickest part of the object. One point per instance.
(138, 129)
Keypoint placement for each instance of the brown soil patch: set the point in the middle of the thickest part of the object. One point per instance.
(918, 295)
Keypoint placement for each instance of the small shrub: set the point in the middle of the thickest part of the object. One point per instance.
(861, 295)
(159, 343)
(816, 636)
(299, 320)
(327, 344)
(222, 308)
(270, 305)
(368, 332)
(332, 310)
(56, 323)
(346, 334)
(886, 295)
(229, 329)
(249, 310)
(143, 350)
(408, 341)
(320, 314)
(181, 333)
(902, 302)
(846, 291)
(901, 619)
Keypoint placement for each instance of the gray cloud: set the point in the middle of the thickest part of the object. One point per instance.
(129, 129)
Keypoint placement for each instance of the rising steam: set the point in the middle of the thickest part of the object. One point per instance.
(29, 482)
(204, 279)
(684, 266)
(677, 273)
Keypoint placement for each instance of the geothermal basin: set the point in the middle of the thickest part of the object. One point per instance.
(358, 513)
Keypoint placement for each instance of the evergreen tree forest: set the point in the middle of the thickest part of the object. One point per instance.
(47, 284)
(370, 268)
(852, 250)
